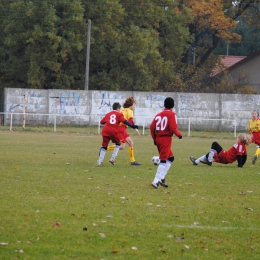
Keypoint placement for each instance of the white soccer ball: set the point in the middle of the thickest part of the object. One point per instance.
(155, 160)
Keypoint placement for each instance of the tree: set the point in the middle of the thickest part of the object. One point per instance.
(136, 42)
(44, 44)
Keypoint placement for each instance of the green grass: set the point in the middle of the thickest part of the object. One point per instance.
(55, 204)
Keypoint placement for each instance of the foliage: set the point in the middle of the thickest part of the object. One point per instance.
(250, 41)
(43, 44)
(140, 46)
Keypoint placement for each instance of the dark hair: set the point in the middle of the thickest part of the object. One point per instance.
(169, 103)
(116, 105)
(129, 102)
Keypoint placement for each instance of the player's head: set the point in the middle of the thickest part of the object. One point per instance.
(244, 138)
(169, 103)
(116, 106)
(255, 114)
(130, 101)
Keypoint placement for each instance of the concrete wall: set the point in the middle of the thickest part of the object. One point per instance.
(79, 107)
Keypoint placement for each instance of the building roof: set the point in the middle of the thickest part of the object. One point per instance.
(226, 62)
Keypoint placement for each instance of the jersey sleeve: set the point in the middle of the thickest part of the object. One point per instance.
(152, 129)
(174, 125)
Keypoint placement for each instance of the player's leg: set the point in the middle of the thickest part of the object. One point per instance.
(103, 150)
(114, 154)
(115, 139)
(131, 151)
(163, 147)
(111, 147)
(168, 166)
(257, 152)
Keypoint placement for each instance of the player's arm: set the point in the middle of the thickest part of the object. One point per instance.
(103, 121)
(241, 160)
(174, 127)
(129, 124)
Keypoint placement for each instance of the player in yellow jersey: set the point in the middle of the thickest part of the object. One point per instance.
(127, 111)
(254, 130)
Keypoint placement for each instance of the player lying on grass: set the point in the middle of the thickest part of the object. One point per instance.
(110, 132)
(254, 130)
(216, 154)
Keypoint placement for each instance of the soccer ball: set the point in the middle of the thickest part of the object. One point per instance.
(155, 160)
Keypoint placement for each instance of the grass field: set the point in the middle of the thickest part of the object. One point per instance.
(55, 204)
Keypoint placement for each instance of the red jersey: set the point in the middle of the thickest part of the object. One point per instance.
(164, 124)
(230, 155)
(111, 121)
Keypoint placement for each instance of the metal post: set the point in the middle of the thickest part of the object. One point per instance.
(189, 127)
(54, 121)
(87, 55)
(11, 122)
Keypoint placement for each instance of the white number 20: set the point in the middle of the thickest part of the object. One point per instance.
(161, 123)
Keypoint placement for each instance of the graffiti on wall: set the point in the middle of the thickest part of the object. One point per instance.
(154, 101)
(68, 103)
(107, 100)
(186, 103)
(32, 102)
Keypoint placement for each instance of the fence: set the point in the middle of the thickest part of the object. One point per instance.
(188, 124)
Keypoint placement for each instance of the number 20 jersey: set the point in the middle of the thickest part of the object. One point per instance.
(164, 124)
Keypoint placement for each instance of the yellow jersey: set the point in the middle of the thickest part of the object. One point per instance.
(128, 113)
(254, 125)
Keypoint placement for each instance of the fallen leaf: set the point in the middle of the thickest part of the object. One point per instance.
(250, 248)
(94, 224)
(134, 248)
(3, 244)
(114, 252)
(102, 235)
(241, 193)
(56, 224)
(68, 163)
(187, 247)
(249, 209)
(196, 223)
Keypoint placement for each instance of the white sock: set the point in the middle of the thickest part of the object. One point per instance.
(203, 157)
(115, 152)
(160, 172)
(102, 154)
(167, 167)
(211, 155)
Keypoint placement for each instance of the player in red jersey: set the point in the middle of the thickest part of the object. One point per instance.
(237, 153)
(162, 128)
(110, 132)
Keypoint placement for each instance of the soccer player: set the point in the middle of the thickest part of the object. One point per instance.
(127, 111)
(110, 132)
(254, 131)
(237, 153)
(162, 128)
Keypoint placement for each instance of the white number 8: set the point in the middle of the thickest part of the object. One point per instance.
(112, 119)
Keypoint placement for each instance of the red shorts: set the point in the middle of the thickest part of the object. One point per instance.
(164, 144)
(256, 138)
(110, 135)
(122, 134)
(221, 157)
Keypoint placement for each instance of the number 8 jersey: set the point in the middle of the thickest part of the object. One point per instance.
(164, 124)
